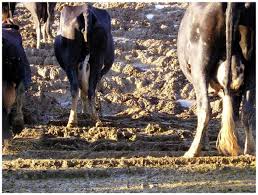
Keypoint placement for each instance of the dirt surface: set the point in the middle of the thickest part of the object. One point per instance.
(147, 118)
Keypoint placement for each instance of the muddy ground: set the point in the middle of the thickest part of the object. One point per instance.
(147, 113)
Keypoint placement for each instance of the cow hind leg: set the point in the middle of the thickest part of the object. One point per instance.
(8, 100)
(95, 77)
(73, 121)
(92, 108)
(200, 86)
(98, 101)
(248, 119)
(92, 101)
(73, 79)
(18, 120)
(6, 133)
(227, 142)
(85, 103)
(47, 28)
(38, 31)
(83, 76)
(44, 33)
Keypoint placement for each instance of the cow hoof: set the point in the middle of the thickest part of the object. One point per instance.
(206, 146)
(18, 125)
(71, 125)
(249, 151)
(95, 118)
(249, 146)
(6, 144)
(190, 154)
(7, 135)
(99, 124)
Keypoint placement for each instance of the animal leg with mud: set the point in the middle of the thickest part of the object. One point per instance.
(98, 99)
(38, 31)
(18, 121)
(44, 33)
(83, 76)
(73, 121)
(248, 119)
(9, 94)
(95, 76)
(50, 20)
(72, 76)
(203, 110)
(85, 103)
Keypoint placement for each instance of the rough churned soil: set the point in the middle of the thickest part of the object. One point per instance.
(147, 118)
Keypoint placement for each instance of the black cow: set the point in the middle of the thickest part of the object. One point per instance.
(16, 77)
(216, 46)
(44, 12)
(85, 50)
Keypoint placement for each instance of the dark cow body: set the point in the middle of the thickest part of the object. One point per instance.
(85, 50)
(16, 78)
(204, 40)
(42, 12)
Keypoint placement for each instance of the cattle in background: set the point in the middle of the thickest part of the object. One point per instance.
(85, 50)
(210, 33)
(16, 77)
(42, 12)
(7, 10)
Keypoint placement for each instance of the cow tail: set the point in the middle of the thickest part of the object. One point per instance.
(227, 142)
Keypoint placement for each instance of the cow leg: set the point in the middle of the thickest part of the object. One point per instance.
(73, 121)
(38, 30)
(84, 74)
(92, 99)
(201, 90)
(47, 28)
(236, 100)
(85, 103)
(83, 77)
(7, 134)
(96, 62)
(18, 121)
(98, 102)
(44, 33)
(95, 75)
(47, 36)
(248, 119)
(50, 19)
(8, 100)
(73, 79)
